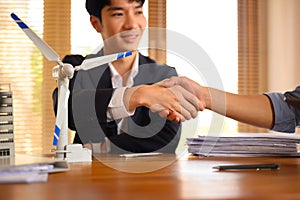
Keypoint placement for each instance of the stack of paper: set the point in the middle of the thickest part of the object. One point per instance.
(25, 173)
(245, 144)
(29, 169)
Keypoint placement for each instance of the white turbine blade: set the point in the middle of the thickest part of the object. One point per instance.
(46, 50)
(61, 112)
(97, 61)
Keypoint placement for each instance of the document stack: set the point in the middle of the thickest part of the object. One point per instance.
(6, 122)
(245, 144)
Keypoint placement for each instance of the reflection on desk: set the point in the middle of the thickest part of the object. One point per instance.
(188, 177)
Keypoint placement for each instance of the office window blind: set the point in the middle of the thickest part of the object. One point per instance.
(252, 56)
(157, 34)
(23, 66)
(57, 27)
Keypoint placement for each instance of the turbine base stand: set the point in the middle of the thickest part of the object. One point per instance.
(77, 153)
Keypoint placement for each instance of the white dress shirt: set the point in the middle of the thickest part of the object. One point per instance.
(116, 107)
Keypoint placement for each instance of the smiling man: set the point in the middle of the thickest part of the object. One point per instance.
(121, 105)
(121, 24)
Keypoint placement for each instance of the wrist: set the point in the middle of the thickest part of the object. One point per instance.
(207, 97)
(215, 100)
(132, 97)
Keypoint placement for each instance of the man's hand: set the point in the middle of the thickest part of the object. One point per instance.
(174, 102)
(193, 87)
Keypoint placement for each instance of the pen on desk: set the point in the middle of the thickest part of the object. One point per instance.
(133, 155)
(271, 166)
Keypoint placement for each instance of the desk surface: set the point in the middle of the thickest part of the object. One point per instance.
(185, 177)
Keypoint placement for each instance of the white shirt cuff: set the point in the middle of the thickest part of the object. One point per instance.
(116, 107)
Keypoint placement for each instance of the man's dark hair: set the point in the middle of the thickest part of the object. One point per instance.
(94, 7)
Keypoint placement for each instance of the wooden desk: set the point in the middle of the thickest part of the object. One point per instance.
(186, 178)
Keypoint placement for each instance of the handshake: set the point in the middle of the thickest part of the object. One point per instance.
(177, 98)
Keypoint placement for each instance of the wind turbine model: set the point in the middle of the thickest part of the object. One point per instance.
(62, 73)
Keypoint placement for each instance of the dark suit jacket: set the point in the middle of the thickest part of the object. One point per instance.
(91, 92)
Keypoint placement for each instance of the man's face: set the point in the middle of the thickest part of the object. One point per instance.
(122, 25)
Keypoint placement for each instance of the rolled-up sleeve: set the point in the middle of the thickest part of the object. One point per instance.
(284, 116)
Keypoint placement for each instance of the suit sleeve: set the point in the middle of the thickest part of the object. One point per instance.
(91, 96)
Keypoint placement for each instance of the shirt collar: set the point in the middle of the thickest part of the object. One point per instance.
(116, 78)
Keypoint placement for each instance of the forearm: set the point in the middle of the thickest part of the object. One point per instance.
(251, 109)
